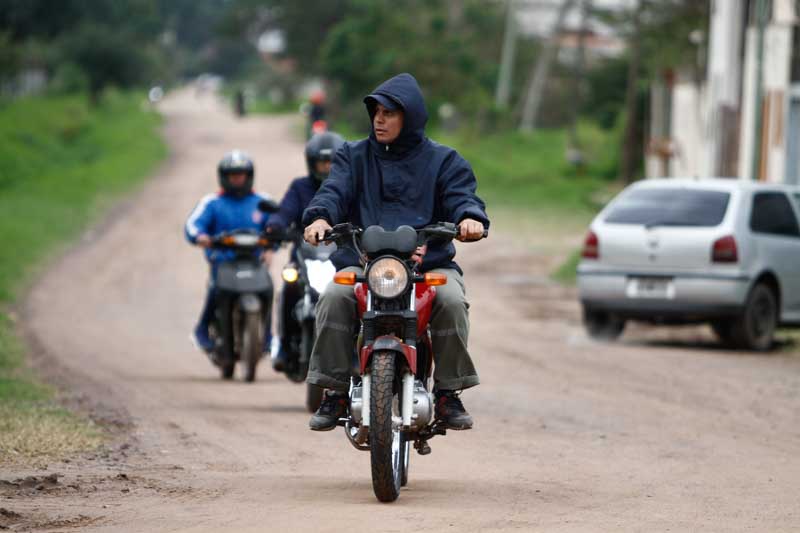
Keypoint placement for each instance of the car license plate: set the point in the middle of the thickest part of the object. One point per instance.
(641, 287)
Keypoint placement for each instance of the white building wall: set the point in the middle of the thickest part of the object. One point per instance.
(748, 120)
(691, 147)
(724, 75)
(777, 54)
(775, 101)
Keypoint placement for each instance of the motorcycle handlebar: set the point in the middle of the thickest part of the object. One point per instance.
(445, 230)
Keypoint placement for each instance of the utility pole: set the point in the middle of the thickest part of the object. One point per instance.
(629, 144)
(542, 71)
(761, 18)
(503, 92)
(577, 79)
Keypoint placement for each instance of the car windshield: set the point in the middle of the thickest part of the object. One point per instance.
(670, 207)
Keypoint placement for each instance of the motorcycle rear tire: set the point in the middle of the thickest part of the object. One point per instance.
(300, 371)
(385, 441)
(226, 369)
(251, 345)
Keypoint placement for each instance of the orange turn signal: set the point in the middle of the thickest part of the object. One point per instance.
(345, 278)
(435, 279)
(228, 240)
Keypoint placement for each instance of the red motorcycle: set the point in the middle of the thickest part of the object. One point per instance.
(391, 400)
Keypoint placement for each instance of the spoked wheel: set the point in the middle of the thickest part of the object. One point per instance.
(251, 345)
(386, 440)
(405, 448)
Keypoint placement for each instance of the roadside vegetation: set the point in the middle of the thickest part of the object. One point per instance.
(527, 181)
(62, 163)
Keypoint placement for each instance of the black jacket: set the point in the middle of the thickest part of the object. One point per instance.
(413, 181)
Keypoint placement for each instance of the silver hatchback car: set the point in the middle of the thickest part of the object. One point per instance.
(682, 251)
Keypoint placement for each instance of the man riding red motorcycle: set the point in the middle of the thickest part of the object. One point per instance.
(396, 177)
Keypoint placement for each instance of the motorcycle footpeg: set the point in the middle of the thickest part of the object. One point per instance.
(342, 422)
(422, 447)
(439, 428)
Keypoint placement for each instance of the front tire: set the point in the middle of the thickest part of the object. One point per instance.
(754, 328)
(384, 436)
(251, 345)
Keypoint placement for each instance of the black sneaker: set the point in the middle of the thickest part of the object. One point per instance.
(332, 408)
(450, 410)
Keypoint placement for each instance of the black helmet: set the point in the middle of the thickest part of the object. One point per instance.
(236, 162)
(322, 147)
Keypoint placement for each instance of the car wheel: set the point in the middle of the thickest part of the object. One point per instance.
(754, 328)
(602, 326)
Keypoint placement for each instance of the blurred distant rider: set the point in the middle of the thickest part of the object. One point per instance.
(234, 207)
(319, 153)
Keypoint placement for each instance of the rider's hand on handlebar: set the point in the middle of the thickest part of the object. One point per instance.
(471, 230)
(203, 240)
(316, 231)
(419, 253)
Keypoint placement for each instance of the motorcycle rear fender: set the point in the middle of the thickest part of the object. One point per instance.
(250, 303)
(392, 344)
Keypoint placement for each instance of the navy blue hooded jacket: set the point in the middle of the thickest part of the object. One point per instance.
(294, 202)
(412, 181)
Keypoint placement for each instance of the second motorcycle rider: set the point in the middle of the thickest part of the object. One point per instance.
(319, 154)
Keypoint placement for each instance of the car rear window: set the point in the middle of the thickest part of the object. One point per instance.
(670, 207)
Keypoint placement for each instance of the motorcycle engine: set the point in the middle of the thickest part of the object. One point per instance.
(423, 406)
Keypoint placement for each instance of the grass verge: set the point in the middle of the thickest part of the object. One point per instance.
(61, 164)
(528, 183)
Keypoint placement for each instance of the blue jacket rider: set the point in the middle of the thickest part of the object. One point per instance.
(234, 207)
(397, 176)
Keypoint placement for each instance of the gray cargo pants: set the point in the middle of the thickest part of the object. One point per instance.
(337, 320)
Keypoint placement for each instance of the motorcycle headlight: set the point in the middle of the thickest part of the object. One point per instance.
(387, 278)
(290, 274)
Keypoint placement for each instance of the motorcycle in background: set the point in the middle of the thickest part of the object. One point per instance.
(244, 292)
(309, 274)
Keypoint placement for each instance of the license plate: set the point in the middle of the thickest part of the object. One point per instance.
(650, 288)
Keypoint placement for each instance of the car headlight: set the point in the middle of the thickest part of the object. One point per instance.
(387, 278)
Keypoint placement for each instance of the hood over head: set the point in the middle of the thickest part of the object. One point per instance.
(403, 92)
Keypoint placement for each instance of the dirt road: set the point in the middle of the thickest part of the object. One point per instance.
(659, 432)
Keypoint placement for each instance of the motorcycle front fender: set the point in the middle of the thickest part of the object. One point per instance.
(392, 344)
